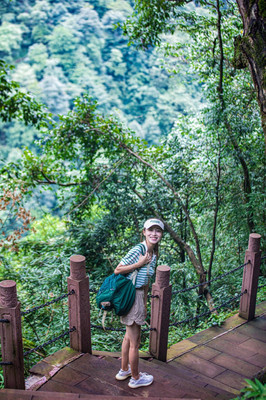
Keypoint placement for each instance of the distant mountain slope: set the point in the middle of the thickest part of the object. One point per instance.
(62, 49)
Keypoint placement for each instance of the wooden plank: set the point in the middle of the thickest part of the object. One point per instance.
(166, 378)
(199, 364)
(226, 391)
(108, 384)
(225, 347)
(232, 379)
(53, 386)
(44, 369)
(222, 394)
(174, 369)
(70, 376)
(12, 394)
(102, 385)
(236, 337)
(101, 375)
(193, 377)
(258, 360)
(259, 323)
(205, 352)
(25, 395)
(232, 322)
(216, 369)
(93, 365)
(55, 396)
(179, 348)
(105, 378)
(62, 355)
(253, 332)
(206, 335)
(236, 365)
(253, 345)
(164, 384)
(33, 382)
(260, 308)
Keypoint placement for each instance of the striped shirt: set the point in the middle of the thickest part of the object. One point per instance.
(132, 257)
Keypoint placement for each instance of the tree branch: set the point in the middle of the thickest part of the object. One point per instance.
(217, 203)
(176, 195)
(97, 186)
(48, 181)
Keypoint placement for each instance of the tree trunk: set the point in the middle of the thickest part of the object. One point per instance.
(252, 46)
(203, 290)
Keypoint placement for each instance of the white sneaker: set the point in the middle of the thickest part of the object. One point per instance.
(122, 375)
(144, 380)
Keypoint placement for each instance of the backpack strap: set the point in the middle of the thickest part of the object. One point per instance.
(143, 251)
(135, 272)
(142, 248)
(134, 276)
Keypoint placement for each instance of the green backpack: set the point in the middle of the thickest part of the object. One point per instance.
(118, 292)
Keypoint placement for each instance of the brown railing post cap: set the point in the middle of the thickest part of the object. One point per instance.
(162, 276)
(163, 268)
(8, 293)
(77, 258)
(254, 242)
(77, 267)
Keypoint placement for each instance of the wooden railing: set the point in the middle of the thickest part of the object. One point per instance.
(79, 312)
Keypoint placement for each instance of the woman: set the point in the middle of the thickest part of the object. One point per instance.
(145, 264)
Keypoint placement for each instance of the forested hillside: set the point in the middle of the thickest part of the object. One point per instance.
(62, 49)
(201, 168)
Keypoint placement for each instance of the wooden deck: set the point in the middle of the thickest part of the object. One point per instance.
(212, 364)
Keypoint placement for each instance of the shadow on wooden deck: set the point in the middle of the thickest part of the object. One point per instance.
(212, 364)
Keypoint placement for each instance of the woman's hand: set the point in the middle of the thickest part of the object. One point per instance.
(146, 259)
(125, 269)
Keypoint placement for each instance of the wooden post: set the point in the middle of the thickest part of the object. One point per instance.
(79, 305)
(250, 277)
(160, 312)
(11, 336)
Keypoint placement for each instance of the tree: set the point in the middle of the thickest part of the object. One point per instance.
(191, 181)
(87, 151)
(251, 46)
(10, 38)
(15, 105)
(76, 42)
(151, 19)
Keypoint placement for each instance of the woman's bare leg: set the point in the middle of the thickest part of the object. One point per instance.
(125, 353)
(133, 336)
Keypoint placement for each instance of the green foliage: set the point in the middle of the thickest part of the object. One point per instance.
(16, 104)
(10, 38)
(107, 179)
(254, 390)
(151, 19)
(66, 49)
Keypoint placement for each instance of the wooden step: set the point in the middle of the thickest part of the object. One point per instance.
(13, 394)
(89, 374)
(193, 379)
(183, 385)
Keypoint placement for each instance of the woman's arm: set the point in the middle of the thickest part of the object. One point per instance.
(125, 269)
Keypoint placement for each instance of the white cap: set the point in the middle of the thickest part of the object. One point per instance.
(152, 222)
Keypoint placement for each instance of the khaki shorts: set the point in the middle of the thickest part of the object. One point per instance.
(137, 311)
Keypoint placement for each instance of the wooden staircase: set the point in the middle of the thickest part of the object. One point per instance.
(212, 364)
(94, 377)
